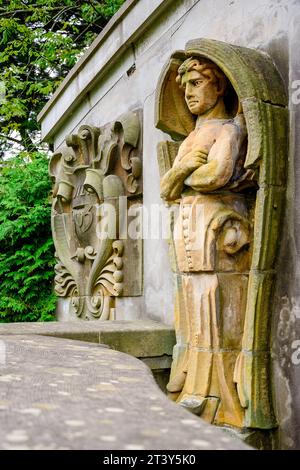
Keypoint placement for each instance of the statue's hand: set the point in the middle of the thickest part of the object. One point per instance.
(172, 181)
(191, 161)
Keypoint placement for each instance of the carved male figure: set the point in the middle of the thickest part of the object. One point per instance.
(211, 245)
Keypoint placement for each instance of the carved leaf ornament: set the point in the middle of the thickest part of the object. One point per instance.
(95, 167)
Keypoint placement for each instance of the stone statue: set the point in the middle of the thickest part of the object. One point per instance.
(212, 219)
(216, 175)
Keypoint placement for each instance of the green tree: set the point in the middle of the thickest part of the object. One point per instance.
(26, 247)
(40, 41)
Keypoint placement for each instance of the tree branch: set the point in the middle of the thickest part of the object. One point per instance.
(31, 9)
(10, 138)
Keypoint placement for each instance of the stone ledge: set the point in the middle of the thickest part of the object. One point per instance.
(128, 24)
(66, 394)
(138, 338)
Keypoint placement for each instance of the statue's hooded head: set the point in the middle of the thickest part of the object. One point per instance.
(204, 84)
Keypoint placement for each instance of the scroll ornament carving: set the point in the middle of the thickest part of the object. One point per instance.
(226, 108)
(90, 173)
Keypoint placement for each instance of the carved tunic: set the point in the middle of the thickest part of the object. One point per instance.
(203, 212)
(211, 236)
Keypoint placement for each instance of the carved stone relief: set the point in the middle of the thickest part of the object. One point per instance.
(226, 107)
(97, 177)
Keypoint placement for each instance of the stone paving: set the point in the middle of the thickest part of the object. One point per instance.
(65, 394)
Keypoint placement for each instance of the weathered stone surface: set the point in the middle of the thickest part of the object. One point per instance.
(145, 34)
(63, 394)
(94, 177)
(138, 338)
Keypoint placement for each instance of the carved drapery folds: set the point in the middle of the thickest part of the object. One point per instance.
(225, 267)
(97, 177)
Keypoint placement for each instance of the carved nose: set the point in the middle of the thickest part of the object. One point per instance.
(188, 90)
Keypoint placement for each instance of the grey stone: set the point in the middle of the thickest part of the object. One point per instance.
(63, 394)
(141, 339)
(146, 33)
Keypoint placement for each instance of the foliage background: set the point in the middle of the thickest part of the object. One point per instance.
(26, 248)
(40, 41)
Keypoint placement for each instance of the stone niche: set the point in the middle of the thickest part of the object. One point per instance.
(228, 106)
(119, 75)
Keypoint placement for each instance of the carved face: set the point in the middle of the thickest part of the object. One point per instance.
(201, 92)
